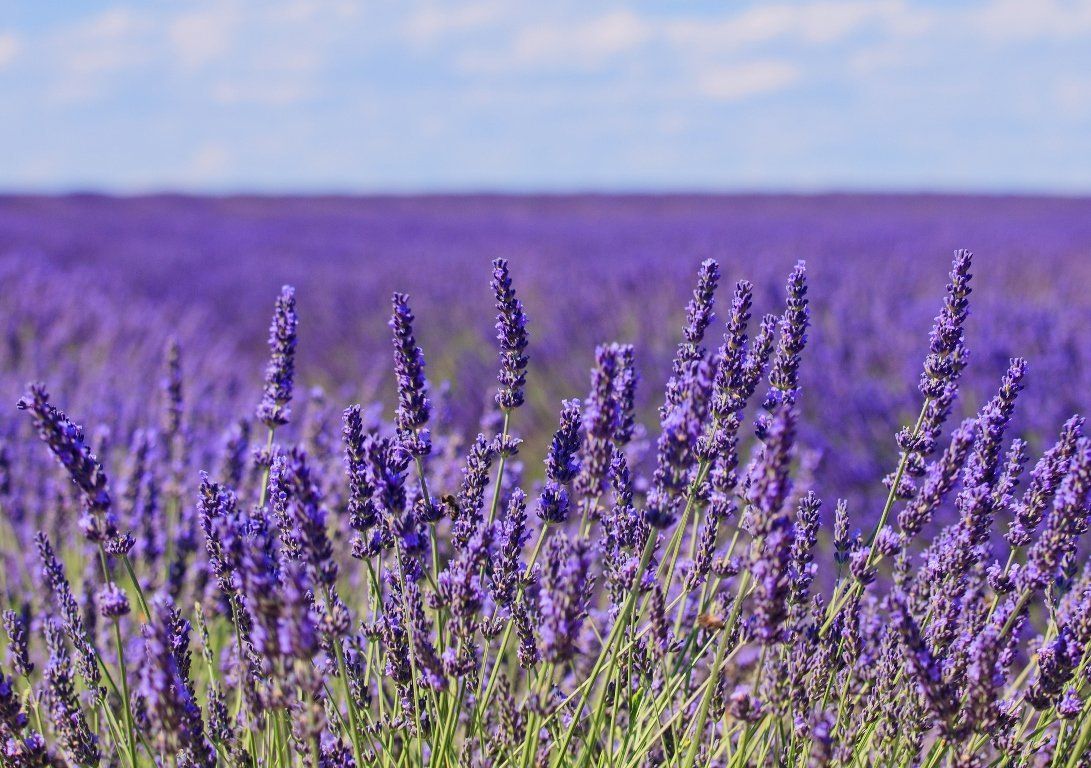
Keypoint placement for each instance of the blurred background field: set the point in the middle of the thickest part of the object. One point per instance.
(93, 286)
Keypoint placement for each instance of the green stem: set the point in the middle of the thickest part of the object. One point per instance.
(605, 652)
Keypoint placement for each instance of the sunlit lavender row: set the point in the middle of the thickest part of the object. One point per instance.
(335, 584)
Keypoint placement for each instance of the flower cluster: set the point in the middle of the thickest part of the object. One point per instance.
(367, 591)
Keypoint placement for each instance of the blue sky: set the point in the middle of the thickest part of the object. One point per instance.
(330, 95)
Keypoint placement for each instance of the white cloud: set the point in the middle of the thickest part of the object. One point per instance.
(1014, 20)
(569, 44)
(209, 163)
(200, 37)
(742, 81)
(113, 41)
(9, 48)
(260, 92)
(819, 23)
(434, 22)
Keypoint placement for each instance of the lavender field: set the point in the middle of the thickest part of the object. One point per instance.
(94, 287)
(645, 480)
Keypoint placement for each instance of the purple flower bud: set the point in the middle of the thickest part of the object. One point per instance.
(1066, 521)
(562, 463)
(1070, 705)
(113, 603)
(945, 359)
(414, 407)
(167, 690)
(511, 332)
(471, 497)
(362, 510)
(274, 410)
(841, 537)
(1057, 659)
(625, 394)
(171, 387)
(562, 599)
(66, 440)
(506, 570)
(75, 735)
(601, 416)
(15, 625)
(784, 374)
(1045, 478)
(941, 477)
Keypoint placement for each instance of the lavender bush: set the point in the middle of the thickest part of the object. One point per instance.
(381, 590)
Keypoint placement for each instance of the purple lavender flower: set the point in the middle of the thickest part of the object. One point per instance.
(924, 670)
(768, 481)
(682, 412)
(76, 736)
(171, 387)
(1067, 520)
(771, 569)
(943, 366)
(414, 407)
(529, 655)
(562, 464)
(74, 626)
(274, 409)
(112, 601)
(506, 567)
(562, 599)
(511, 332)
(784, 374)
(731, 387)
(1057, 660)
(303, 520)
(471, 496)
(939, 481)
(167, 691)
(805, 539)
(601, 417)
(841, 536)
(1070, 705)
(66, 440)
(699, 315)
(15, 626)
(946, 355)
(625, 382)
(1044, 481)
(362, 511)
(12, 717)
(706, 549)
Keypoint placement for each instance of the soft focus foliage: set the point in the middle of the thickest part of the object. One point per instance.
(762, 531)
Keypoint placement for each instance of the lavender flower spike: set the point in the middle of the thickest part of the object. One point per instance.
(563, 596)
(1067, 520)
(15, 626)
(274, 408)
(784, 374)
(562, 464)
(414, 407)
(67, 442)
(511, 332)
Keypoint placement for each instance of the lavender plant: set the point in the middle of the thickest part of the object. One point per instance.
(379, 593)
